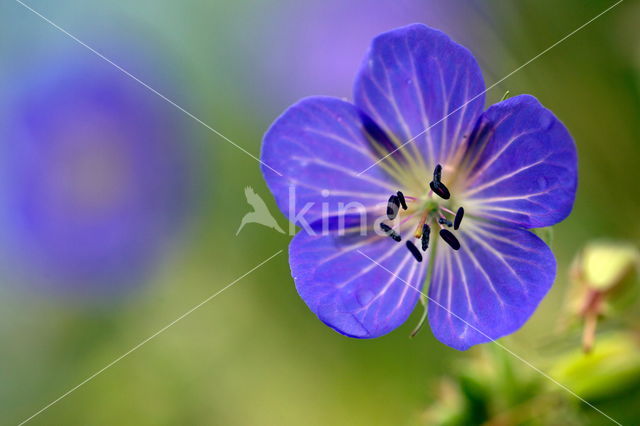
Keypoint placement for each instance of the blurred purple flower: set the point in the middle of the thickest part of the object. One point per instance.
(94, 178)
(511, 167)
(315, 46)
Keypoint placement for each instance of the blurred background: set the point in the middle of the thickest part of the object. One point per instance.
(118, 213)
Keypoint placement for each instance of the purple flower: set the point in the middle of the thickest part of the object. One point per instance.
(510, 168)
(94, 178)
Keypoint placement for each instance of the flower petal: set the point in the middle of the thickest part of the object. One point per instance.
(490, 287)
(416, 78)
(340, 282)
(319, 146)
(524, 168)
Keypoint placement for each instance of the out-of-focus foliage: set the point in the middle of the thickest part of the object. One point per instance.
(610, 370)
(493, 387)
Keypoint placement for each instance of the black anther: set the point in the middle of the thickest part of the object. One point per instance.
(403, 203)
(458, 219)
(437, 173)
(426, 231)
(450, 239)
(392, 207)
(414, 251)
(390, 232)
(440, 189)
(443, 221)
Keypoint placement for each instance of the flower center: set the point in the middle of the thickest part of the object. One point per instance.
(434, 212)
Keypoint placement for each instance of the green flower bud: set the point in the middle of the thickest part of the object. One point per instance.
(603, 264)
(602, 284)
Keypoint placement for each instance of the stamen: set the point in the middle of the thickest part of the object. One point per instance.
(414, 251)
(407, 218)
(402, 201)
(437, 186)
(458, 219)
(426, 231)
(443, 208)
(444, 221)
(420, 227)
(440, 189)
(390, 232)
(393, 205)
(450, 239)
(437, 174)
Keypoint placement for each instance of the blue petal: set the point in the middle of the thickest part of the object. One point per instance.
(415, 78)
(319, 146)
(490, 287)
(340, 282)
(523, 165)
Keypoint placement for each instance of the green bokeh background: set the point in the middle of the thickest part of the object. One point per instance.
(255, 354)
